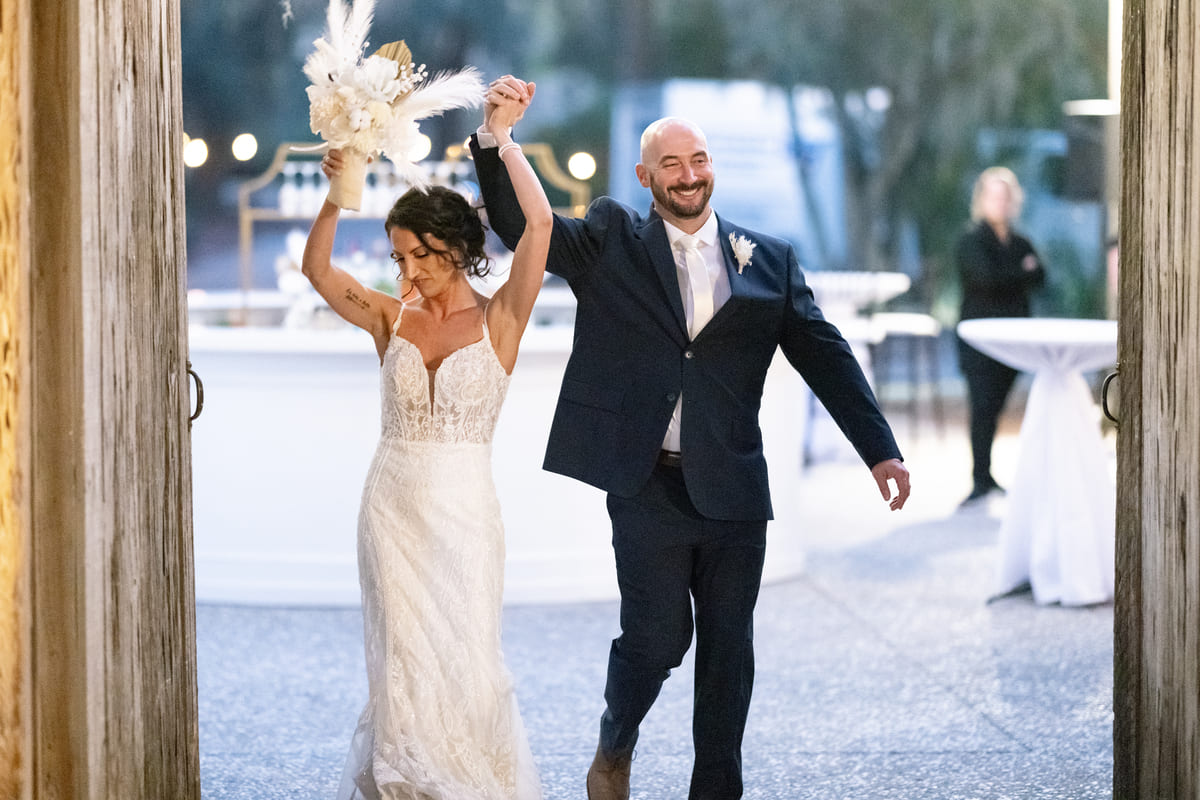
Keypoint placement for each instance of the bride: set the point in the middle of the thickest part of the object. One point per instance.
(441, 720)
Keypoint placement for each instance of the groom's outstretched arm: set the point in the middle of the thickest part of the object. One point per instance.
(503, 210)
(824, 359)
(574, 242)
(499, 196)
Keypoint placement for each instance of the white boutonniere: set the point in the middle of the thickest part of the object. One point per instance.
(743, 249)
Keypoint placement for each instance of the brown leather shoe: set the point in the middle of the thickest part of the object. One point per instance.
(608, 778)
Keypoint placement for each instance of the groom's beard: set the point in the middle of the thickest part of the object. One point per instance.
(683, 207)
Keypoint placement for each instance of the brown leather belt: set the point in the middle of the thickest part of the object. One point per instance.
(669, 458)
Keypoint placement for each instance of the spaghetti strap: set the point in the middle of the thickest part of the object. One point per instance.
(396, 324)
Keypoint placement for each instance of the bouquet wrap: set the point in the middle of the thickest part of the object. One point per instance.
(346, 189)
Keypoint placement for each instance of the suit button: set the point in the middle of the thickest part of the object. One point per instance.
(688, 354)
(671, 396)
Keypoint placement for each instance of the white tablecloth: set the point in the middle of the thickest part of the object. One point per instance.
(843, 293)
(1058, 534)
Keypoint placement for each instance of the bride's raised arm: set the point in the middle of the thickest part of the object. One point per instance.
(510, 308)
(366, 308)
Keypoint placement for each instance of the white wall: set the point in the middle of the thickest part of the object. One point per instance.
(289, 426)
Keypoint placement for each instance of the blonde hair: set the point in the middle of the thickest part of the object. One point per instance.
(1009, 179)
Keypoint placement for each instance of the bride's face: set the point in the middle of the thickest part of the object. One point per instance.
(429, 268)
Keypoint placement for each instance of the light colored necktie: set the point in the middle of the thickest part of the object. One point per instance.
(700, 285)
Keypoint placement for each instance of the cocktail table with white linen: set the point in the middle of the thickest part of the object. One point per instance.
(1058, 532)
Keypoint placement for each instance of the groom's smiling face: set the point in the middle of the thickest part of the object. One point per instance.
(678, 171)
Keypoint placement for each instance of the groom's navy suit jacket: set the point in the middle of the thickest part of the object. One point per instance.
(632, 357)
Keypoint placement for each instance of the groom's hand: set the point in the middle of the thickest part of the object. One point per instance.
(892, 470)
(504, 110)
(502, 90)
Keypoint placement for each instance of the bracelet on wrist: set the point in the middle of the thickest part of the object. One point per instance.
(504, 148)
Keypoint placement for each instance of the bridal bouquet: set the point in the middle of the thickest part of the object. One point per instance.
(371, 106)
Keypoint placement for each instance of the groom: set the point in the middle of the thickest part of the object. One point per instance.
(679, 316)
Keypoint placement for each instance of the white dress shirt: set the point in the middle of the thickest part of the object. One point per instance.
(484, 137)
(718, 278)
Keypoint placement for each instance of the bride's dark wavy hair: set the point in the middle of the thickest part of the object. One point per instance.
(446, 215)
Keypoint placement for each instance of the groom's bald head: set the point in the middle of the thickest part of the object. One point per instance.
(659, 132)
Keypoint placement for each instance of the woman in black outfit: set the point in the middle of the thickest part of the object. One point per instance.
(999, 270)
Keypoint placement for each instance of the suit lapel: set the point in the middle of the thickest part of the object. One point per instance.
(723, 233)
(654, 235)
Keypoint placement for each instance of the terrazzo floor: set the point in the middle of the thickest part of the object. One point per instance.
(882, 672)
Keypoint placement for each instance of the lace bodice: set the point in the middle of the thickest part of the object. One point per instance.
(459, 402)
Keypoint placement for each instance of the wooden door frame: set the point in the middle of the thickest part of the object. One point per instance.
(14, 435)
(1156, 695)
(1127, 620)
(112, 673)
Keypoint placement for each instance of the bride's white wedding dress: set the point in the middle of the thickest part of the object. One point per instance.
(441, 720)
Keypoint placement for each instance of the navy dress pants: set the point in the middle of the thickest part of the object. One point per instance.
(668, 557)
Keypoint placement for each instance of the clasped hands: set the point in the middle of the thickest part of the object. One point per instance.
(507, 99)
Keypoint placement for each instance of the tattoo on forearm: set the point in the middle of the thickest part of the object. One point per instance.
(354, 297)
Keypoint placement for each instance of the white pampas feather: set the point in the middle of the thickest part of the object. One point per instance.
(344, 41)
(445, 91)
(357, 26)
